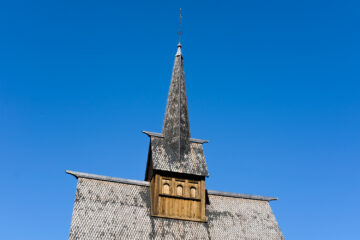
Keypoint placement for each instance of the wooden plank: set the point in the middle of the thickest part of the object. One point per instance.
(203, 202)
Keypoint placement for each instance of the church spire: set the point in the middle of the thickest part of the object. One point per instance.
(176, 128)
(173, 151)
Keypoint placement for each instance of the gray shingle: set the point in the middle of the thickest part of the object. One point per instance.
(191, 162)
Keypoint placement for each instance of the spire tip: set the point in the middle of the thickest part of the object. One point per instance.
(180, 32)
(178, 53)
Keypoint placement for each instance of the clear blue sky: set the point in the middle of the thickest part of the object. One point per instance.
(274, 86)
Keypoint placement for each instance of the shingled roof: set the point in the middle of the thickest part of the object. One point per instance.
(173, 150)
(114, 208)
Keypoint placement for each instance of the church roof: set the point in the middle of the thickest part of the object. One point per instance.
(114, 208)
(174, 150)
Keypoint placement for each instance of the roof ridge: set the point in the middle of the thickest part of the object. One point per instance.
(147, 184)
(106, 178)
(154, 134)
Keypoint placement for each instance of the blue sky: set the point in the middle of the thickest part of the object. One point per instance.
(274, 86)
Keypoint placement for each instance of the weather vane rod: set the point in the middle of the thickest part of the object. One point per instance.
(180, 32)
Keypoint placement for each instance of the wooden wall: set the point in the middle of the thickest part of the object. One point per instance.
(178, 197)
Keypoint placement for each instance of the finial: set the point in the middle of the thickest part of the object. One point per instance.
(180, 32)
(178, 52)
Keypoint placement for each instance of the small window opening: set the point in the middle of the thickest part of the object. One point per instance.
(179, 190)
(192, 192)
(166, 188)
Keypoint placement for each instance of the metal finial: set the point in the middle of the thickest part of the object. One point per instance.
(180, 32)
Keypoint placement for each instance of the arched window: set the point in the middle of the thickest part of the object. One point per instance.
(179, 190)
(166, 188)
(193, 192)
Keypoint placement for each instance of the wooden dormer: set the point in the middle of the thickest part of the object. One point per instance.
(178, 197)
(176, 167)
